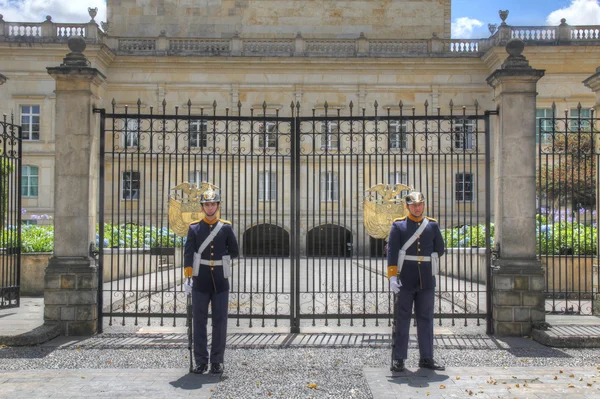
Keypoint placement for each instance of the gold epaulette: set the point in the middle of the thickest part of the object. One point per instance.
(195, 222)
(399, 219)
(225, 221)
(432, 219)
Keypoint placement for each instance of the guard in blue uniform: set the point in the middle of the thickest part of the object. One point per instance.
(415, 245)
(209, 285)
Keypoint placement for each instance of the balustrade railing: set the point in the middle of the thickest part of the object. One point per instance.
(362, 46)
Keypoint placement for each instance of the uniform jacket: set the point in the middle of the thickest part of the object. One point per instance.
(210, 278)
(414, 275)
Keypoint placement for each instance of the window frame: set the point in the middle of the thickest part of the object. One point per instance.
(128, 134)
(328, 139)
(267, 186)
(201, 140)
(266, 137)
(329, 188)
(203, 175)
(401, 131)
(583, 125)
(462, 183)
(466, 136)
(30, 116)
(130, 189)
(27, 177)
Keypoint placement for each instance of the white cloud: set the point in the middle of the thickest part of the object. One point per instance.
(580, 12)
(71, 11)
(462, 28)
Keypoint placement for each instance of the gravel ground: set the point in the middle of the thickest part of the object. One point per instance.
(252, 373)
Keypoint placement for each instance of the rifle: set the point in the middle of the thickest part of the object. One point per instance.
(190, 320)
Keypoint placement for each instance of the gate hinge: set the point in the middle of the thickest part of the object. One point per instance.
(94, 252)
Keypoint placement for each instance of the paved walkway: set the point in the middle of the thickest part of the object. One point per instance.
(486, 382)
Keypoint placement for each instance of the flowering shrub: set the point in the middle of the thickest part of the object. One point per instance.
(37, 238)
(467, 236)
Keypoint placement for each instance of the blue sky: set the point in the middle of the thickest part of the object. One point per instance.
(469, 17)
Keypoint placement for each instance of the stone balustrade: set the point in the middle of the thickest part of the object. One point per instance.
(298, 46)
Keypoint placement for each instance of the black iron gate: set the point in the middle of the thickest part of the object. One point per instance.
(10, 213)
(567, 193)
(294, 187)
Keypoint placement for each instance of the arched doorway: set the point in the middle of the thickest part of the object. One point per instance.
(266, 240)
(329, 240)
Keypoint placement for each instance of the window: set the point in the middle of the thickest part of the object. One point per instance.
(198, 134)
(580, 121)
(29, 182)
(399, 178)
(267, 186)
(397, 135)
(464, 187)
(268, 135)
(131, 133)
(130, 185)
(196, 177)
(329, 135)
(329, 187)
(30, 122)
(543, 126)
(463, 134)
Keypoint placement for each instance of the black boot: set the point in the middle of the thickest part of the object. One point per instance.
(216, 368)
(200, 368)
(430, 364)
(397, 365)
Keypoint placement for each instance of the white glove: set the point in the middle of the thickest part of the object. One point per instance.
(187, 285)
(395, 284)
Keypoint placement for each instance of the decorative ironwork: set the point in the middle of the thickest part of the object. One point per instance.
(10, 213)
(293, 183)
(567, 205)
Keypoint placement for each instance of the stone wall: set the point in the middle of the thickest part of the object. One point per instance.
(409, 19)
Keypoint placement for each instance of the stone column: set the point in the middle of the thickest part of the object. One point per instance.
(517, 274)
(593, 82)
(71, 281)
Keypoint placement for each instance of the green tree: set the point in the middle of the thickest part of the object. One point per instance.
(568, 169)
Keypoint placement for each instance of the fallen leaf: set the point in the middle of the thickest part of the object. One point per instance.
(442, 387)
(458, 377)
(555, 377)
(517, 385)
(580, 378)
(572, 376)
(427, 393)
(312, 385)
(82, 377)
(561, 371)
(589, 384)
(571, 386)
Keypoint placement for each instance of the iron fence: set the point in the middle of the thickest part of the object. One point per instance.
(10, 213)
(567, 205)
(294, 185)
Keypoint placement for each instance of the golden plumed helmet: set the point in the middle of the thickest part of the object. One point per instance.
(414, 197)
(210, 195)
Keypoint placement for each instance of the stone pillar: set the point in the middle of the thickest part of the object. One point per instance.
(593, 82)
(71, 281)
(517, 274)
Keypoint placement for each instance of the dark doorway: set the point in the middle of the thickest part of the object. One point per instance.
(377, 247)
(266, 240)
(329, 240)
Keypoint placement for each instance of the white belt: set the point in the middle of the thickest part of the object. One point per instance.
(418, 258)
(211, 262)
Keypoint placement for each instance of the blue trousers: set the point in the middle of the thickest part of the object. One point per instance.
(423, 301)
(219, 303)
